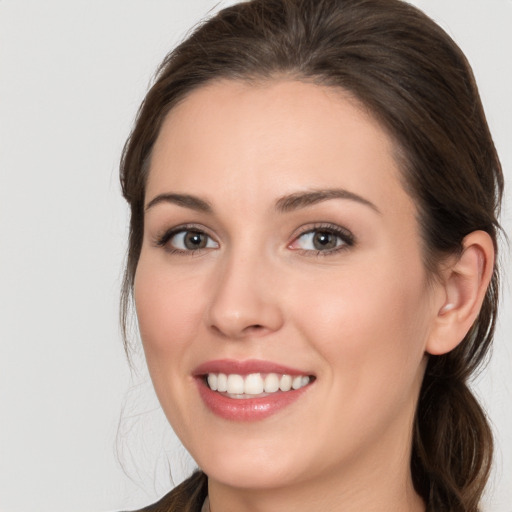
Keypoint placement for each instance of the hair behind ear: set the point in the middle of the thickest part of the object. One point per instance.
(452, 442)
(453, 446)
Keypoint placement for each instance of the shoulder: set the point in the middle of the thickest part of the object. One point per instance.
(189, 496)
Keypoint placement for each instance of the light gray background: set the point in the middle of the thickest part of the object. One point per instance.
(72, 74)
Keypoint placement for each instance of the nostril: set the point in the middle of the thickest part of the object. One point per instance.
(255, 327)
(254, 330)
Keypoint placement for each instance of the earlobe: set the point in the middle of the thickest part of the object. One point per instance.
(464, 284)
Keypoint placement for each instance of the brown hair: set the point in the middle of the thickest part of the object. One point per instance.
(416, 81)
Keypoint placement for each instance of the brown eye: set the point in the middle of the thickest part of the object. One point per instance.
(195, 240)
(188, 240)
(323, 240)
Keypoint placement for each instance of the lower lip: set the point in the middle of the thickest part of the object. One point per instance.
(247, 409)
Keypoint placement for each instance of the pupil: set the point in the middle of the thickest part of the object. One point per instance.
(194, 240)
(324, 240)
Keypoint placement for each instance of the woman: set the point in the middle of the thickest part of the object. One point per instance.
(314, 195)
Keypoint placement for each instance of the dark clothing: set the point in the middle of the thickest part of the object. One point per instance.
(189, 496)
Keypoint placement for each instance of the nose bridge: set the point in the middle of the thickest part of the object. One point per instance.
(244, 301)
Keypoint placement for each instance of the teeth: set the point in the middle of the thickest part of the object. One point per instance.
(254, 383)
(286, 383)
(235, 384)
(212, 381)
(222, 383)
(271, 383)
(297, 382)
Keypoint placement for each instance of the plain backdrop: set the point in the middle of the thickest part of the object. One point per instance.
(72, 74)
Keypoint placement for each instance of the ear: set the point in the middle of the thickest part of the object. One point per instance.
(464, 282)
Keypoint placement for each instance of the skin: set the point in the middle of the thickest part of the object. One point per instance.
(360, 319)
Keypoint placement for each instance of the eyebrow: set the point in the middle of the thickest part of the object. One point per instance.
(184, 200)
(284, 204)
(303, 199)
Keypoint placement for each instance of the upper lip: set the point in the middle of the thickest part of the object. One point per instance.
(232, 366)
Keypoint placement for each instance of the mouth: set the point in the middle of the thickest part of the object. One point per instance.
(250, 390)
(255, 385)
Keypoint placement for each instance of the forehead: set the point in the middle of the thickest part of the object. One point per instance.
(256, 142)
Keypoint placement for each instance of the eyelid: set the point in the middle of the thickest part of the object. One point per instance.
(163, 237)
(344, 234)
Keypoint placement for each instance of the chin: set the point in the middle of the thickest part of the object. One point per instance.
(253, 467)
(251, 476)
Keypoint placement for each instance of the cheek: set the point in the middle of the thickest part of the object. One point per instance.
(168, 311)
(169, 314)
(368, 325)
(371, 326)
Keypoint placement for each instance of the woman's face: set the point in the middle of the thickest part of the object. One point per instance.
(279, 243)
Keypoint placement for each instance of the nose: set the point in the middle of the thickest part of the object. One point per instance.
(244, 301)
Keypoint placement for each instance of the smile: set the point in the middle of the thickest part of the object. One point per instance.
(250, 390)
(254, 385)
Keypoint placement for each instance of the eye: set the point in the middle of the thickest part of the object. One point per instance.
(324, 239)
(187, 240)
(191, 241)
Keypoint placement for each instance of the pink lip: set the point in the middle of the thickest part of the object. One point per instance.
(228, 366)
(250, 409)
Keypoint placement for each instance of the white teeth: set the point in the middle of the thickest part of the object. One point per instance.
(235, 384)
(212, 381)
(285, 383)
(271, 383)
(253, 384)
(222, 383)
(240, 386)
(297, 382)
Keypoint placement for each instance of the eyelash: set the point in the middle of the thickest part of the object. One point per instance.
(163, 239)
(346, 237)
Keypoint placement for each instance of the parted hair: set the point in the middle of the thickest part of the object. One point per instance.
(418, 84)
